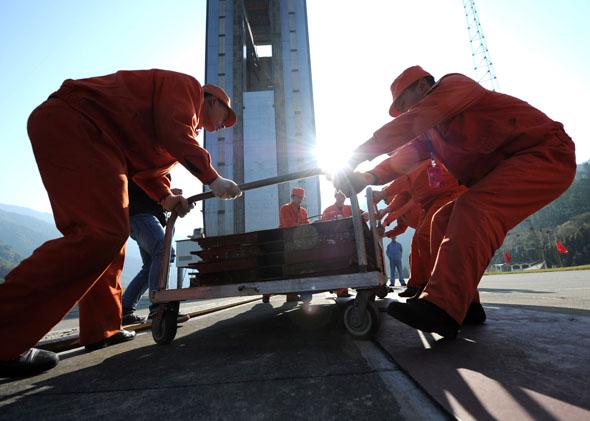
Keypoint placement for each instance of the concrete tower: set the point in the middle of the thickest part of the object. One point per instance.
(258, 51)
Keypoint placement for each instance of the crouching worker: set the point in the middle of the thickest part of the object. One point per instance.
(88, 138)
(512, 157)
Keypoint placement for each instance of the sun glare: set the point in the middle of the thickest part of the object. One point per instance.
(332, 159)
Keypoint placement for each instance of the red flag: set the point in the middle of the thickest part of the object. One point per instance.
(507, 257)
(560, 247)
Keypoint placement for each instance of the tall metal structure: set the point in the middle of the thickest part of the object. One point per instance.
(482, 62)
(258, 51)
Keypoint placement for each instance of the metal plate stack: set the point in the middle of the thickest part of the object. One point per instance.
(318, 249)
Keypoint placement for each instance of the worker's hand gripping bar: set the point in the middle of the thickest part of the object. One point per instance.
(208, 195)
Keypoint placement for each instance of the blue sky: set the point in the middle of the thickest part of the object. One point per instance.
(539, 49)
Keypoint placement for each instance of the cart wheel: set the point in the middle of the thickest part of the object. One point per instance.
(362, 326)
(165, 322)
(382, 291)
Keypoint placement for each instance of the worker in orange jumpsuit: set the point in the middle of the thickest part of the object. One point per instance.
(513, 158)
(338, 210)
(88, 138)
(290, 215)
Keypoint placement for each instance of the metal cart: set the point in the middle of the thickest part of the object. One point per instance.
(361, 317)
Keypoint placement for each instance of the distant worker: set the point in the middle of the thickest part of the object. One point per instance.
(394, 254)
(338, 210)
(88, 138)
(147, 220)
(290, 215)
(512, 157)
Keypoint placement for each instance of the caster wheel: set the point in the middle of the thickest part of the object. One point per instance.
(164, 323)
(362, 325)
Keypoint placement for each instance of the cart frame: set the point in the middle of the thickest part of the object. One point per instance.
(361, 318)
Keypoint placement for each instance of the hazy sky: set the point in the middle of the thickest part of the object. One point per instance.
(539, 49)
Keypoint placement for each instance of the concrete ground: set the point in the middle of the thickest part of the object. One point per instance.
(529, 361)
(256, 361)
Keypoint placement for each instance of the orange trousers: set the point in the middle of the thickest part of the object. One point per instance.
(84, 174)
(477, 222)
(421, 258)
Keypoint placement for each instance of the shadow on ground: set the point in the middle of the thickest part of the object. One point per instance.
(525, 362)
(265, 363)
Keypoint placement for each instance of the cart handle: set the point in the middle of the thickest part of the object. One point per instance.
(261, 183)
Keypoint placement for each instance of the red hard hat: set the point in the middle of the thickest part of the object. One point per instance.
(220, 94)
(403, 82)
(298, 191)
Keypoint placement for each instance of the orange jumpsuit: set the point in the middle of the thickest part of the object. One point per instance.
(431, 200)
(291, 215)
(88, 137)
(409, 218)
(334, 211)
(513, 158)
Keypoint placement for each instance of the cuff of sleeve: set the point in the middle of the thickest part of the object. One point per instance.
(209, 175)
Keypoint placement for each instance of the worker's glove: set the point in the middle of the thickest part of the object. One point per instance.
(351, 183)
(225, 188)
(176, 203)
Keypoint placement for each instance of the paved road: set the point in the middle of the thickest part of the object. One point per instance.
(256, 361)
(560, 291)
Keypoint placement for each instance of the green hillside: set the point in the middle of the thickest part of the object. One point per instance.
(22, 230)
(566, 220)
(8, 259)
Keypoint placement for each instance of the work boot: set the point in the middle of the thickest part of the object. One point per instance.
(29, 363)
(117, 338)
(131, 319)
(409, 292)
(343, 293)
(425, 316)
(475, 314)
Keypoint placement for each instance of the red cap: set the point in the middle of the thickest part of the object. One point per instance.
(403, 82)
(298, 191)
(220, 94)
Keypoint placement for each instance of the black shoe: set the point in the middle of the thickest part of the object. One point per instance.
(181, 318)
(425, 316)
(29, 363)
(121, 336)
(409, 292)
(475, 314)
(266, 298)
(132, 319)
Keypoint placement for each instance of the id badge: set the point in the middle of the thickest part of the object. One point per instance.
(435, 175)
